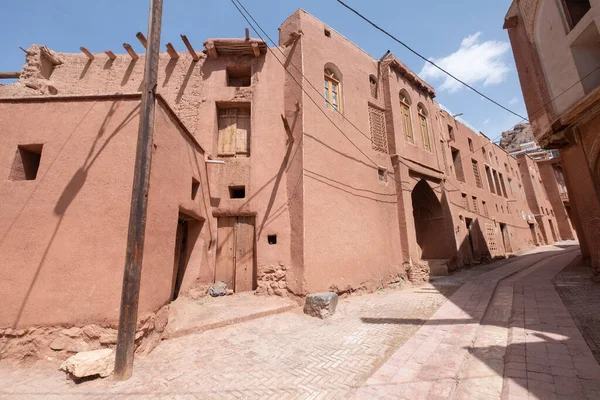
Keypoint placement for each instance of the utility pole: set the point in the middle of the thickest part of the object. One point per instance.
(139, 202)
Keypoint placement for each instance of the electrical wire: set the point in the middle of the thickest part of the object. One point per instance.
(428, 60)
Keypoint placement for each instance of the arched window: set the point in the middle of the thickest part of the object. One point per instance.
(373, 85)
(423, 125)
(333, 90)
(406, 119)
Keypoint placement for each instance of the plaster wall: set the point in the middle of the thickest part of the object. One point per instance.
(551, 186)
(349, 214)
(63, 235)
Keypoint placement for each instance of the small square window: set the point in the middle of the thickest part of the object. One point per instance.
(237, 192)
(327, 32)
(195, 187)
(382, 174)
(272, 239)
(470, 144)
(26, 162)
(239, 76)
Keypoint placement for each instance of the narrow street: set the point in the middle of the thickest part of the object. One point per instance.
(494, 331)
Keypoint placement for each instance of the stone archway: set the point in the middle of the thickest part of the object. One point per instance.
(433, 237)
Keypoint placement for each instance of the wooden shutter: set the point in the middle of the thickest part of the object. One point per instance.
(227, 131)
(243, 131)
(378, 132)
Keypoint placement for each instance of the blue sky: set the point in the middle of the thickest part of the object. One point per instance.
(466, 37)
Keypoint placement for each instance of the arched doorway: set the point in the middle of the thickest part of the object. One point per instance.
(433, 236)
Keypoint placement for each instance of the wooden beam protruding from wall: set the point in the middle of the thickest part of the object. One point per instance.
(142, 39)
(190, 48)
(172, 52)
(256, 49)
(110, 54)
(10, 75)
(131, 52)
(87, 53)
(247, 34)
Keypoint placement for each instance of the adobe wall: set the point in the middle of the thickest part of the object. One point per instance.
(509, 210)
(193, 90)
(546, 168)
(350, 221)
(176, 160)
(537, 198)
(66, 229)
(583, 183)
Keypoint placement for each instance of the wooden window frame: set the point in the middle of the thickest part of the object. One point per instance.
(239, 134)
(407, 121)
(424, 127)
(330, 79)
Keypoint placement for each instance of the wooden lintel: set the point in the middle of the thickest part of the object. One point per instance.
(211, 50)
(10, 75)
(131, 52)
(256, 49)
(142, 39)
(288, 130)
(247, 34)
(110, 54)
(172, 52)
(87, 53)
(190, 48)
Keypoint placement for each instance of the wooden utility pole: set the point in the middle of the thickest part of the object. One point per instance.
(139, 202)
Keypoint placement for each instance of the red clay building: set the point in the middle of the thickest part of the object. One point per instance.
(556, 45)
(337, 171)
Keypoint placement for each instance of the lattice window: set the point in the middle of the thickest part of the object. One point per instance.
(465, 202)
(490, 234)
(378, 133)
(485, 209)
(476, 174)
(475, 206)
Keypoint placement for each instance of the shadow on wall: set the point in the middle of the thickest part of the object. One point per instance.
(70, 192)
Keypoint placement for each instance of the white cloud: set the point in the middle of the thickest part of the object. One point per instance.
(514, 100)
(487, 121)
(474, 63)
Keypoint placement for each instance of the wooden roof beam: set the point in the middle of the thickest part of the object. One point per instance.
(85, 51)
(110, 54)
(256, 49)
(10, 75)
(172, 52)
(190, 48)
(131, 52)
(142, 39)
(211, 49)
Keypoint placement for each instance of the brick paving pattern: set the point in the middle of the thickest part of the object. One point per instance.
(288, 355)
(504, 334)
(581, 295)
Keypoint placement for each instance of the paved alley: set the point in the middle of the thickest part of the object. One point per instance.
(495, 331)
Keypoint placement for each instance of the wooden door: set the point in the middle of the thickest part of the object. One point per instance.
(235, 252)
(244, 254)
(225, 268)
(506, 239)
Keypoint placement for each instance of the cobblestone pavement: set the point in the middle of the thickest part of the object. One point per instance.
(288, 355)
(581, 295)
(294, 356)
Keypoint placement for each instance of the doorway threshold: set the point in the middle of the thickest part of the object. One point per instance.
(191, 316)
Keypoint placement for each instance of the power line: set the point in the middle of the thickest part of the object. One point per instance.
(445, 170)
(429, 61)
(303, 90)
